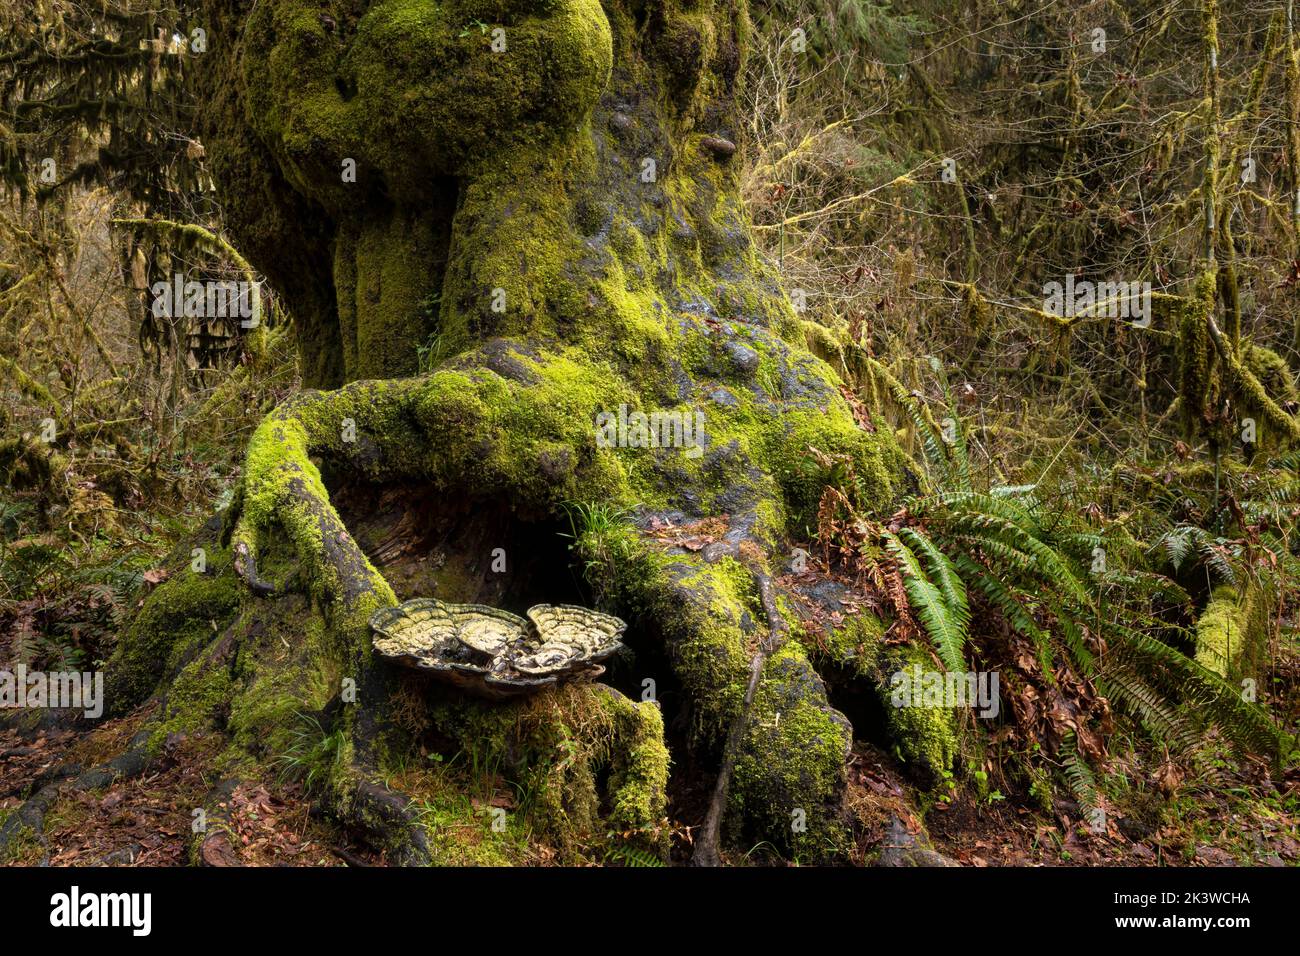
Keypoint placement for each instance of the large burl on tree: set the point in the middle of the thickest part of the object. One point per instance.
(538, 196)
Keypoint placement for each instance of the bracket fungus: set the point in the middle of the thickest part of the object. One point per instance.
(493, 653)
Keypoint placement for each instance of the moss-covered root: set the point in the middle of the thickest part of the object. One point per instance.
(788, 774)
(212, 844)
(507, 419)
(27, 823)
(200, 597)
(791, 770)
(385, 818)
(784, 773)
(283, 489)
(638, 773)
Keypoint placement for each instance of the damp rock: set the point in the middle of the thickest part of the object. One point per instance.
(743, 358)
(719, 147)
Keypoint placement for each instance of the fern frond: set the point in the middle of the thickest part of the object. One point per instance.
(1049, 562)
(1127, 690)
(1177, 544)
(633, 856)
(1244, 723)
(1078, 776)
(935, 456)
(928, 604)
(1019, 511)
(943, 573)
(1072, 633)
(1145, 584)
(1217, 562)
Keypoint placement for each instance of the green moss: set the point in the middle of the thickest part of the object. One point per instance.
(822, 341)
(463, 832)
(283, 489)
(639, 772)
(924, 737)
(23, 847)
(182, 611)
(1269, 388)
(1198, 379)
(855, 645)
(1258, 379)
(585, 762)
(199, 695)
(417, 96)
(418, 91)
(791, 767)
(265, 714)
(873, 457)
(383, 282)
(1232, 632)
(1273, 373)
(512, 270)
(707, 616)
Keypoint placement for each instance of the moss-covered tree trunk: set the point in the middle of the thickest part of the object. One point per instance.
(493, 221)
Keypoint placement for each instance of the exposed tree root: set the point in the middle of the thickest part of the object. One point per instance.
(28, 821)
(706, 847)
(385, 819)
(212, 845)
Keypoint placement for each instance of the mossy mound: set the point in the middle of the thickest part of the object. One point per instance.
(791, 769)
(1232, 631)
(925, 738)
(181, 616)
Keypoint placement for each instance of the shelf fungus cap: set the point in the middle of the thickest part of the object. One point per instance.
(492, 653)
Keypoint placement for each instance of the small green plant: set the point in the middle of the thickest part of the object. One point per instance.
(631, 855)
(312, 756)
(597, 532)
(432, 353)
(484, 767)
(986, 796)
(1040, 788)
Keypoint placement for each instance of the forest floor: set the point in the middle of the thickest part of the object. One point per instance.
(1231, 814)
(147, 820)
(1207, 808)
(1210, 808)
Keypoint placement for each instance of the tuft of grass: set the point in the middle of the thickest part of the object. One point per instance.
(432, 353)
(598, 533)
(313, 756)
